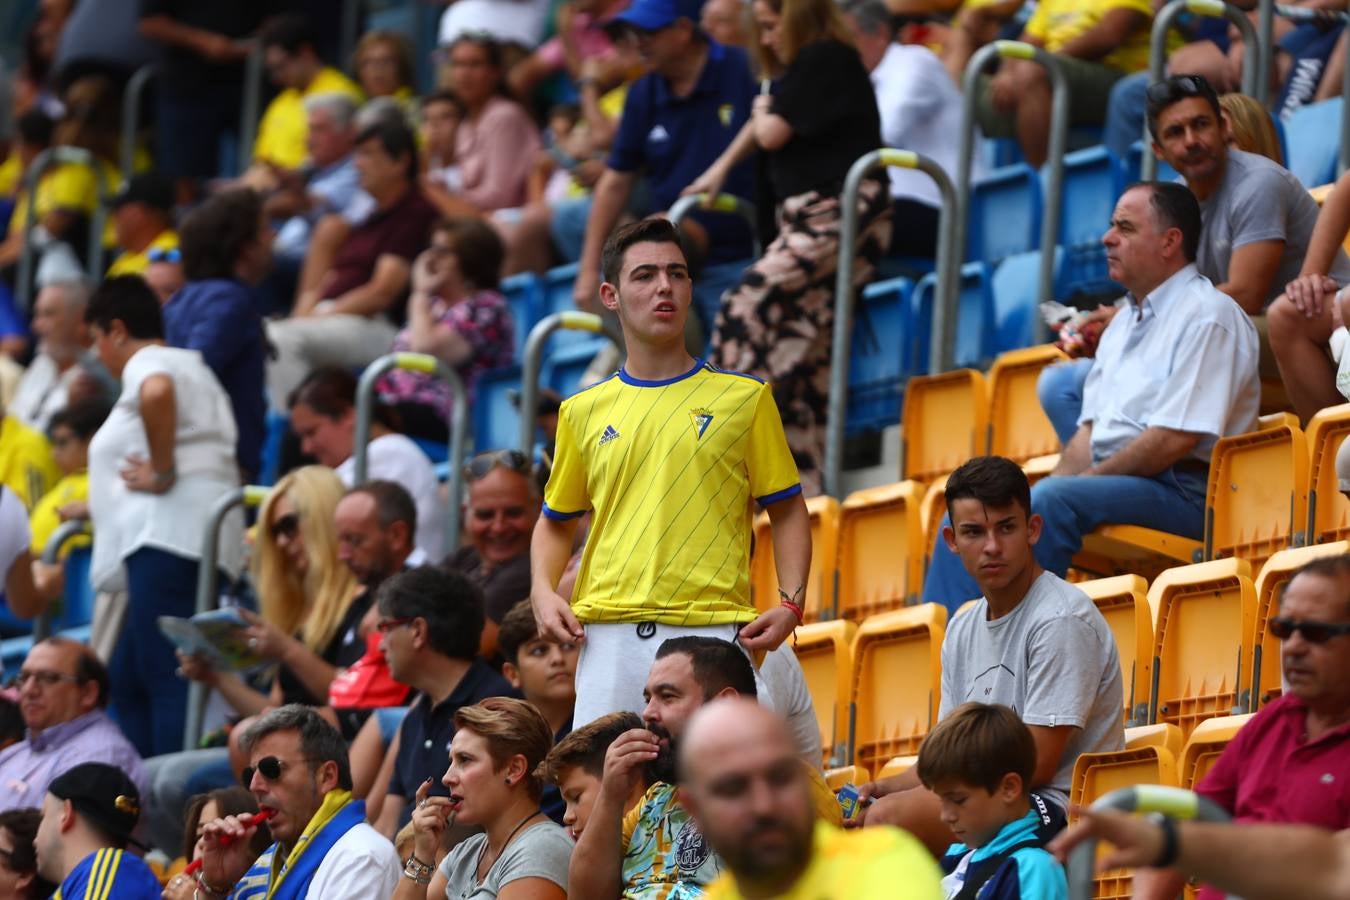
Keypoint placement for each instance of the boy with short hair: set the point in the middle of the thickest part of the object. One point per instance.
(577, 762)
(979, 762)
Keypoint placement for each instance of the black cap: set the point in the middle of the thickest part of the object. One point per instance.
(148, 188)
(104, 795)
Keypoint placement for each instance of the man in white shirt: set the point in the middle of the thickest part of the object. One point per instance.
(58, 323)
(1175, 371)
(299, 772)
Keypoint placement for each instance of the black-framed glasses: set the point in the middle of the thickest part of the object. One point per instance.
(269, 767)
(44, 679)
(1313, 632)
(483, 464)
(1177, 87)
(164, 255)
(384, 626)
(285, 527)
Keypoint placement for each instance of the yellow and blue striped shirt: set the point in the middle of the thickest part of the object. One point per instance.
(109, 874)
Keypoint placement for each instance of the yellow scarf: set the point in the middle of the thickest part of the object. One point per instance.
(333, 802)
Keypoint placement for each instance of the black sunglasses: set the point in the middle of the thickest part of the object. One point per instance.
(269, 767)
(1313, 632)
(286, 526)
(1177, 87)
(483, 464)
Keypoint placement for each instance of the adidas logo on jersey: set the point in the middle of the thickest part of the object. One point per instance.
(611, 433)
(658, 134)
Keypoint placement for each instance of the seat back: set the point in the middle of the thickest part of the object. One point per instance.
(1204, 616)
(523, 293)
(565, 365)
(1160, 735)
(880, 549)
(1123, 602)
(944, 423)
(1206, 745)
(1092, 182)
(1328, 508)
(824, 513)
(897, 683)
(496, 421)
(975, 336)
(825, 651)
(1005, 214)
(1275, 574)
(1313, 132)
(1258, 494)
(1018, 427)
(77, 594)
(555, 296)
(883, 350)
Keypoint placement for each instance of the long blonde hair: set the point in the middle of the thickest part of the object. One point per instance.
(1250, 126)
(314, 604)
(803, 21)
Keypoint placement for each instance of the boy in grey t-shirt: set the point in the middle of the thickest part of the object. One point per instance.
(1033, 642)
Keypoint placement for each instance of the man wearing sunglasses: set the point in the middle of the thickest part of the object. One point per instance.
(142, 216)
(299, 772)
(1291, 762)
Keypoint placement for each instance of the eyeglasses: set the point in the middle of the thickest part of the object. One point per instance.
(483, 464)
(269, 767)
(1313, 632)
(1177, 87)
(384, 626)
(162, 254)
(285, 527)
(45, 679)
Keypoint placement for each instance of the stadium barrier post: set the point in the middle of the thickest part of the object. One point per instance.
(132, 95)
(723, 203)
(66, 532)
(27, 257)
(533, 362)
(249, 108)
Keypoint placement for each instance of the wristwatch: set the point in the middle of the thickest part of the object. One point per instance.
(418, 871)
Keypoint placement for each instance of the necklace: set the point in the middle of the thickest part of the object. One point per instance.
(481, 853)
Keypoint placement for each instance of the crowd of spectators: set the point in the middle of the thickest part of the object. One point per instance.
(581, 699)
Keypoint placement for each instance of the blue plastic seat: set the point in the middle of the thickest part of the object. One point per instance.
(555, 297)
(1005, 214)
(1093, 181)
(496, 421)
(1134, 166)
(882, 348)
(522, 293)
(974, 319)
(1313, 133)
(563, 368)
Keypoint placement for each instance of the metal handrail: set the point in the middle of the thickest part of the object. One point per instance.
(723, 203)
(1174, 802)
(1157, 58)
(66, 532)
(425, 364)
(131, 116)
(1265, 28)
(45, 160)
(252, 103)
(947, 268)
(1059, 140)
(1302, 15)
(248, 495)
(533, 362)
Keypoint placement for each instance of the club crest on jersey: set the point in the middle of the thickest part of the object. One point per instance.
(702, 418)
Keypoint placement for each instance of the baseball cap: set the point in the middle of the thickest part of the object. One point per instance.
(104, 795)
(152, 190)
(652, 15)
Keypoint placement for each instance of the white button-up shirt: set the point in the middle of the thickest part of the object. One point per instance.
(1184, 357)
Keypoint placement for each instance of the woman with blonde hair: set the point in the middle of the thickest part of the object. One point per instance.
(1250, 127)
(495, 783)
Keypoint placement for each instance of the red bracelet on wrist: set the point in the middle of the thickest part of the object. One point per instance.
(796, 610)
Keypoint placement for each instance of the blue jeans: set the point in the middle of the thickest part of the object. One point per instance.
(1073, 506)
(1125, 114)
(1060, 390)
(148, 700)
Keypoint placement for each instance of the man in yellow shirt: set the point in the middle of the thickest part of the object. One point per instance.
(748, 792)
(294, 66)
(27, 466)
(142, 217)
(666, 455)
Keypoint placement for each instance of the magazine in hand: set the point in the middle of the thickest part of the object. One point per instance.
(216, 636)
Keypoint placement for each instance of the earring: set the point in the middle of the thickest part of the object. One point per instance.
(508, 781)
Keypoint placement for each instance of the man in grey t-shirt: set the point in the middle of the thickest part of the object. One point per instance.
(1033, 642)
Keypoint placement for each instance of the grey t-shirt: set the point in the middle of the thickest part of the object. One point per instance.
(1260, 201)
(1052, 659)
(540, 851)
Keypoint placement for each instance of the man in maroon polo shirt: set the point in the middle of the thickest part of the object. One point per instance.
(355, 276)
(1291, 762)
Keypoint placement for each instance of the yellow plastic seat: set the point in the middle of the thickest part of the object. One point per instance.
(944, 422)
(1258, 493)
(1328, 508)
(824, 512)
(1203, 621)
(1097, 774)
(896, 682)
(1266, 665)
(931, 510)
(898, 765)
(880, 550)
(1123, 602)
(837, 778)
(1131, 549)
(1205, 746)
(1018, 427)
(1160, 735)
(825, 651)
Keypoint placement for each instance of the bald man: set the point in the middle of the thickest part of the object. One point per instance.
(746, 788)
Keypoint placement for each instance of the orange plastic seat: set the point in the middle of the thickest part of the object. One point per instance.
(944, 422)
(880, 550)
(1160, 735)
(1131, 549)
(1258, 493)
(1266, 666)
(837, 778)
(896, 682)
(1018, 427)
(819, 600)
(1206, 745)
(1328, 508)
(1123, 602)
(825, 652)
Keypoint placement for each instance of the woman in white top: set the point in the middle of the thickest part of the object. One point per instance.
(494, 784)
(161, 461)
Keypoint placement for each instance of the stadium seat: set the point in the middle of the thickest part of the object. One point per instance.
(1204, 617)
(1097, 774)
(1162, 735)
(276, 425)
(1018, 427)
(1206, 745)
(898, 765)
(974, 339)
(1014, 288)
(496, 421)
(1266, 666)
(1123, 602)
(566, 365)
(883, 349)
(932, 510)
(944, 423)
(1131, 549)
(880, 549)
(837, 778)
(1005, 214)
(555, 295)
(522, 293)
(819, 601)
(1258, 493)
(825, 651)
(1328, 508)
(897, 665)
(1313, 133)
(1092, 183)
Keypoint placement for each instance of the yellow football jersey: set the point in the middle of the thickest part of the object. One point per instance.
(669, 469)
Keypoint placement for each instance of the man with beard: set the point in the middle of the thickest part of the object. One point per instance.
(749, 795)
(655, 850)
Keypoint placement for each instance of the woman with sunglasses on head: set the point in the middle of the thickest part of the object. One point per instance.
(494, 784)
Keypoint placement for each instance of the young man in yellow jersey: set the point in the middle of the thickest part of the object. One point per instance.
(666, 455)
